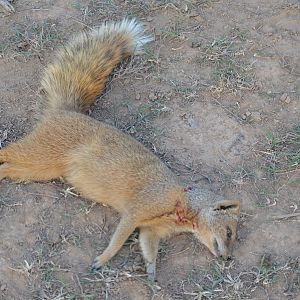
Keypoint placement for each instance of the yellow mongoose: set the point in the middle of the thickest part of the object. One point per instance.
(108, 166)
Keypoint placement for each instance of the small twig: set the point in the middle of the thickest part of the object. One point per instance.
(10, 205)
(180, 252)
(80, 22)
(172, 6)
(245, 214)
(228, 111)
(43, 195)
(68, 191)
(78, 282)
(286, 216)
(88, 210)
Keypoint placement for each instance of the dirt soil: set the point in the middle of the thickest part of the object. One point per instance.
(216, 96)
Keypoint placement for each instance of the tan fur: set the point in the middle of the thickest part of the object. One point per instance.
(108, 166)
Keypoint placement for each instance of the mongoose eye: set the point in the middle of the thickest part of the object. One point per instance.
(228, 232)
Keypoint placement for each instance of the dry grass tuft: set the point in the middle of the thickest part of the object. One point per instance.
(31, 39)
(231, 71)
(221, 281)
(282, 151)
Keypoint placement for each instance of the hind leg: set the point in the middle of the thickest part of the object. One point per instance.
(21, 165)
(33, 173)
(25, 160)
(7, 171)
(3, 171)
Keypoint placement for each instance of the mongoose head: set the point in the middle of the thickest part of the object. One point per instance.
(215, 221)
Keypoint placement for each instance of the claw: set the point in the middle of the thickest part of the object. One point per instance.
(96, 265)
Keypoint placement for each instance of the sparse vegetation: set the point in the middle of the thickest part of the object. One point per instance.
(282, 153)
(139, 120)
(220, 281)
(172, 31)
(33, 38)
(203, 50)
(230, 69)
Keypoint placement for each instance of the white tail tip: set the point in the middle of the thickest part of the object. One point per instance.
(131, 26)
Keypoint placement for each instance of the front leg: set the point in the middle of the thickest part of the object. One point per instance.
(123, 231)
(149, 242)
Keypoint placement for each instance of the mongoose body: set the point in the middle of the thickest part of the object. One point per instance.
(104, 164)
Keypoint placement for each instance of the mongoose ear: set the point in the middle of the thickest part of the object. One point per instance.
(232, 206)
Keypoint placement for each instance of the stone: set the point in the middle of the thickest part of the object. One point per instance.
(256, 116)
(287, 100)
(152, 96)
(283, 97)
(137, 96)
(3, 287)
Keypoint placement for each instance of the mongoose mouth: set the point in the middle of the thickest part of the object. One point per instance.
(218, 253)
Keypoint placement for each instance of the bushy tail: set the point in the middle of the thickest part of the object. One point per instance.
(82, 67)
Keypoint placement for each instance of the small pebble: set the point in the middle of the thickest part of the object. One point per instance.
(285, 98)
(256, 115)
(3, 287)
(137, 96)
(23, 46)
(152, 96)
(192, 123)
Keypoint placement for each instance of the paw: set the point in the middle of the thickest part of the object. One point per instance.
(151, 272)
(96, 266)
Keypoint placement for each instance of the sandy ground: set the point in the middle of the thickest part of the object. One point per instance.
(216, 96)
